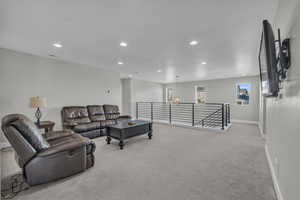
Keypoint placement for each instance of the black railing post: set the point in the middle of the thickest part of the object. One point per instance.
(226, 115)
(170, 113)
(151, 111)
(193, 114)
(229, 114)
(137, 110)
(222, 116)
(202, 123)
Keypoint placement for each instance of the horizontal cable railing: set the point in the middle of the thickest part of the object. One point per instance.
(210, 115)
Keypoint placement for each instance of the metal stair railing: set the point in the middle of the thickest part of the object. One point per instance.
(213, 115)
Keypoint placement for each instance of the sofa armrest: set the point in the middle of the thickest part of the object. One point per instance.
(57, 134)
(69, 125)
(66, 147)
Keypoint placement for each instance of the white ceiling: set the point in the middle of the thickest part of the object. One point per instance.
(157, 33)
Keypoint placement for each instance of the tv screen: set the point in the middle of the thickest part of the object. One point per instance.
(268, 62)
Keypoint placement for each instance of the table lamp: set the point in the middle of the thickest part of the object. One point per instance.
(38, 102)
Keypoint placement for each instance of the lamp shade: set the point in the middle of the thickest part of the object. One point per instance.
(176, 100)
(38, 102)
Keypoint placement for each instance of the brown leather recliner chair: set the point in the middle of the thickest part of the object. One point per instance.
(45, 159)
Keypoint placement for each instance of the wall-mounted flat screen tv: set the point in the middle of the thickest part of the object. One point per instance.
(268, 62)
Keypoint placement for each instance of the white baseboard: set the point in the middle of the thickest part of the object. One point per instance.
(244, 121)
(274, 177)
(261, 131)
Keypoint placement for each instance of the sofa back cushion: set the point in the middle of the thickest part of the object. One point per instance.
(111, 111)
(24, 150)
(27, 129)
(75, 114)
(96, 113)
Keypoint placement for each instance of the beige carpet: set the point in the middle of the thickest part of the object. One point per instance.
(177, 164)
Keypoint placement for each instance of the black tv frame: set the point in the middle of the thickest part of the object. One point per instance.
(268, 38)
(278, 62)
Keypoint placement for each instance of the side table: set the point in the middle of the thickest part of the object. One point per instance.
(46, 125)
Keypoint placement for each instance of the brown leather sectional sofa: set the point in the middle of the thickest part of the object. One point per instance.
(91, 121)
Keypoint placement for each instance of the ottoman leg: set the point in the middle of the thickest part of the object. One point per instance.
(150, 135)
(121, 144)
(108, 139)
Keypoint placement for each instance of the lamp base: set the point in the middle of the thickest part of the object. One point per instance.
(38, 115)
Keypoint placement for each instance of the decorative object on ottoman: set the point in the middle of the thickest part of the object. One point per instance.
(38, 102)
(131, 123)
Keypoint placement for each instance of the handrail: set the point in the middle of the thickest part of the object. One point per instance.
(211, 114)
(214, 115)
(182, 103)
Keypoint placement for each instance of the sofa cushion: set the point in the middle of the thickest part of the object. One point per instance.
(31, 133)
(111, 111)
(90, 145)
(96, 112)
(53, 135)
(112, 116)
(75, 114)
(87, 127)
(91, 134)
(107, 122)
(80, 120)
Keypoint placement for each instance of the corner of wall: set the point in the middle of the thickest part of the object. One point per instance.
(260, 127)
(273, 174)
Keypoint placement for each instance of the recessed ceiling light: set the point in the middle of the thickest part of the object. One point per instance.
(204, 63)
(58, 45)
(123, 44)
(159, 71)
(193, 43)
(120, 63)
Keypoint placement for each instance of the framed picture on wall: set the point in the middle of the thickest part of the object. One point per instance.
(243, 93)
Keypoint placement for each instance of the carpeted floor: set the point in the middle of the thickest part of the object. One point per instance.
(177, 164)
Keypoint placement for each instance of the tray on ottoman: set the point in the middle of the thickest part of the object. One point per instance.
(127, 129)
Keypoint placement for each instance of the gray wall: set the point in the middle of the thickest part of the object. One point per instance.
(146, 91)
(126, 96)
(283, 114)
(223, 91)
(63, 84)
(135, 90)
